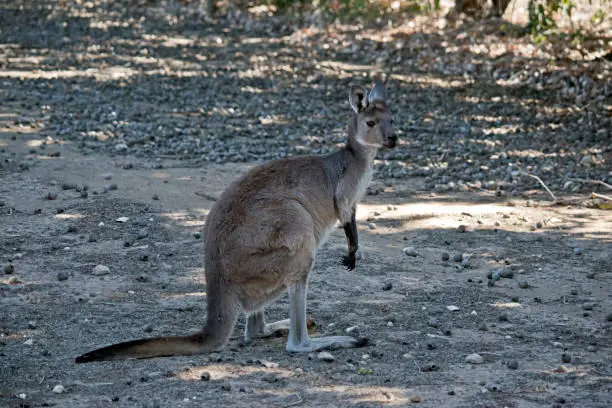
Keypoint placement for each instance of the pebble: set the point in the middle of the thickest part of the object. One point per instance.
(9, 269)
(566, 358)
(577, 251)
(148, 328)
(430, 367)
(100, 270)
(387, 286)
(474, 359)
(453, 308)
(445, 256)
(512, 364)
(457, 257)
(588, 305)
(371, 225)
(51, 195)
(62, 276)
(32, 325)
(270, 378)
(123, 219)
(461, 228)
(416, 399)
(155, 197)
(492, 387)
(108, 176)
(523, 285)
(591, 348)
(410, 251)
(58, 389)
(325, 356)
(352, 329)
(197, 235)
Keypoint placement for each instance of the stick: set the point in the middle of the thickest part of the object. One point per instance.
(299, 401)
(603, 197)
(593, 182)
(542, 183)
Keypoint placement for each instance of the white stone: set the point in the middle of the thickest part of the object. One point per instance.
(325, 356)
(474, 359)
(453, 308)
(100, 270)
(58, 389)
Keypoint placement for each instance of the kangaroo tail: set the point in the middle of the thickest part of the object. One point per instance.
(218, 329)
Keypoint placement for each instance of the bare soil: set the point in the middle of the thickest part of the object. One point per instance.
(544, 330)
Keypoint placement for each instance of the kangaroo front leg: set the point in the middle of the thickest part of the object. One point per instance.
(299, 341)
(350, 230)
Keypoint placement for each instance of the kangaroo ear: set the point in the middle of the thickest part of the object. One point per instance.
(378, 93)
(358, 98)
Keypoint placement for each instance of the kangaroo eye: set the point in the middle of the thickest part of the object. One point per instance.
(371, 123)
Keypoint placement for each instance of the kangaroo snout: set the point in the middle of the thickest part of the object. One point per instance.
(390, 141)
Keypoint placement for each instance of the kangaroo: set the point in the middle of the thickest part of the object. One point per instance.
(262, 235)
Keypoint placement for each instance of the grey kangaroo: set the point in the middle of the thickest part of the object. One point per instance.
(262, 235)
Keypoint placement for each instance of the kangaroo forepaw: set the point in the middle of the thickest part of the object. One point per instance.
(349, 261)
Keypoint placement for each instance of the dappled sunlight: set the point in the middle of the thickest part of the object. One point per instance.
(66, 216)
(507, 305)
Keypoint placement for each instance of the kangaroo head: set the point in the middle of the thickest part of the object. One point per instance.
(372, 125)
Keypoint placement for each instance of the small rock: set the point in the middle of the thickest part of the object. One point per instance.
(29, 342)
(588, 305)
(226, 386)
(100, 270)
(32, 325)
(371, 225)
(197, 235)
(416, 399)
(387, 286)
(352, 329)
(538, 224)
(148, 328)
(445, 256)
(457, 257)
(410, 251)
(58, 389)
(123, 219)
(62, 276)
(453, 308)
(430, 367)
(270, 378)
(577, 251)
(474, 359)
(503, 317)
(51, 195)
(566, 358)
(492, 387)
(461, 228)
(205, 376)
(155, 197)
(609, 317)
(512, 364)
(507, 274)
(9, 269)
(108, 176)
(523, 285)
(591, 348)
(325, 356)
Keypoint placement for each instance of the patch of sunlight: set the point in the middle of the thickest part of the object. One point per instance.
(160, 175)
(3, 143)
(173, 42)
(186, 295)
(65, 216)
(370, 394)
(336, 66)
(194, 223)
(506, 305)
(274, 120)
(13, 336)
(501, 130)
(433, 208)
(251, 89)
(229, 371)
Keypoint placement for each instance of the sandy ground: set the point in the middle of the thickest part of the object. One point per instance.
(544, 334)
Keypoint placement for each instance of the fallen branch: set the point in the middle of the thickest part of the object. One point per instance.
(603, 197)
(298, 402)
(592, 182)
(542, 183)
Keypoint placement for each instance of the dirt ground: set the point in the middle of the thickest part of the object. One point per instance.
(543, 330)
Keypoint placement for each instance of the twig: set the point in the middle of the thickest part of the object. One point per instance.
(299, 401)
(592, 182)
(603, 197)
(542, 183)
